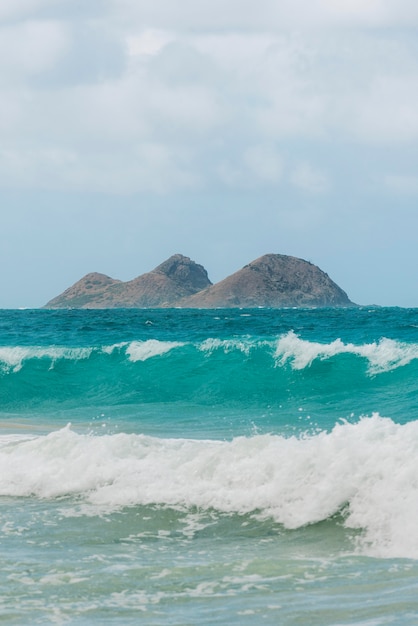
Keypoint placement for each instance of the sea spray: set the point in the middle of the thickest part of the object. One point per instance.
(365, 471)
(249, 466)
(382, 356)
(271, 375)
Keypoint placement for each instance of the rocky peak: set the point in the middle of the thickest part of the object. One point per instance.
(182, 270)
(273, 280)
(175, 278)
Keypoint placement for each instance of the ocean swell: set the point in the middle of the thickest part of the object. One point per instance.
(246, 370)
(288, 349)
(382, 356)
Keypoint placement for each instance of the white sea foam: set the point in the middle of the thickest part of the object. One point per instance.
(114, 347)
(12, 358)
(229, 345)
(367, 469)
(383, 356)
(143, 350)
(14, 437)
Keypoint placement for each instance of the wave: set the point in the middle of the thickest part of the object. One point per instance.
(143, 350)
(12, 358)
(289, 349)
(243, 370)
(382, 356)
(365, 472)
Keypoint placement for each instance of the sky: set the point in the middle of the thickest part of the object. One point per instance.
(131, 130)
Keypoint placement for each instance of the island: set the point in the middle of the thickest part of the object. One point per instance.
(272, 280)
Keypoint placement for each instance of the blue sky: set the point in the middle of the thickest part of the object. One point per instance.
(130, 131)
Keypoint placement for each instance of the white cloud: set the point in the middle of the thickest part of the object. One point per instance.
(263, 163)
(201, 94)
(271, 112)
(386, 111)
(37, 168)
(265, 16)
(31, 47)
(309, 179)
(15, 9)
(149, 42)
(10, 116)
(233, 51)
(258, 164)
(358, 11)
(150, 167)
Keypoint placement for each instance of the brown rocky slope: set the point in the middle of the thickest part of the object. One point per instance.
(273, 280)
(174, 279)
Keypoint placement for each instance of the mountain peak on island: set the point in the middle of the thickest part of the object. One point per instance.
(175, 278)
(184, 271)
(272, 280)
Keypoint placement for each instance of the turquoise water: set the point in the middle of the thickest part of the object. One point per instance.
(209, 467)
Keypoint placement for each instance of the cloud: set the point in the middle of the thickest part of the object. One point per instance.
(264, 162)
(18, 9)
(271, 120)
(386, 111)
(309, 179)
(359, 12)
(148, 42)
(266, 16)
(151, 167)
(260, 163)
(159, 96)
(30, 48)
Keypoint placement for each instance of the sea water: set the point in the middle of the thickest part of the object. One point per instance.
(190, 467)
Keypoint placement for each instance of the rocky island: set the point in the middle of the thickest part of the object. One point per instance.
(273, 280)
(164, 286)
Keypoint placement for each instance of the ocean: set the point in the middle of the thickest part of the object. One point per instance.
(194, 467)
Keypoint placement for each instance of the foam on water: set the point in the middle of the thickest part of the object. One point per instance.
(383, 356)
(228, 345)
(188, 487)
(12, 358)
(143, 350)
(365, 471)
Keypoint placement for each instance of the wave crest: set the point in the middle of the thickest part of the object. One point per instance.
(13, 357)
(367, 470)
(383, 356)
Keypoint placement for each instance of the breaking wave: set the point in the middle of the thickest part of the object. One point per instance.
(382, 356)
(210, 371)
(289, 349)
(364, 472)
